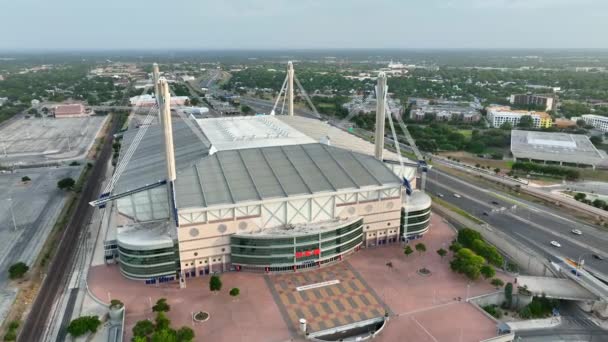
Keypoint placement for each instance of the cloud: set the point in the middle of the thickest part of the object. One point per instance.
(520, 4)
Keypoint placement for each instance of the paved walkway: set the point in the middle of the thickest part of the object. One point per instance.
(422, 308)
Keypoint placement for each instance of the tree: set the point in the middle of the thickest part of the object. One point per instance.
(408, 250)
(509, 294)
(161, 320)
(195, 101)
(235, 292)
(596, 140)
(83, 325)
(467, 263)
(116, 303)
(143, 328)
(246, 109)
(487, 271)
(161, 306)
(420, 248)
(17, 270)
(466, 237)
(506, 126)
(598, 203)
(526, 121)
(164, 335)
(66, 183)
(139, 339)
(25, 179)
(579, 196)
(442, 252)
(581, 123)
(185, 334)
(497, 282)
(215, 283)
(496, 170)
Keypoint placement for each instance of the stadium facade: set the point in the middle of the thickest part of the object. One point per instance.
(257, 193)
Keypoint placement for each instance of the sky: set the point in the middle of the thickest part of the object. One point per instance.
(301, 24)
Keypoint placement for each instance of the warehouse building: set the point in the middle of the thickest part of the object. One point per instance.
(499, 115)
(555, 148)
(257, 193)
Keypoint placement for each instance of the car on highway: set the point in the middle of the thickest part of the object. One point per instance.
(485, 213)
(457, 196)
(555, 244)
(597, 257)
(440, 195)
(495, 203)
(576, 232)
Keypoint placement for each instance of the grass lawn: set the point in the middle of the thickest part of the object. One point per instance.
(466, 132)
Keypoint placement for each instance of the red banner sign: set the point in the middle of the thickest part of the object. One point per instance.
(308, 253)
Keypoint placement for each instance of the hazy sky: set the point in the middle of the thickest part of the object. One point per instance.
(285, 24)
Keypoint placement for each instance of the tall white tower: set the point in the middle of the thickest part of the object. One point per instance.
(155, 78)
(381, 91)
(165, 114)
(290, 74)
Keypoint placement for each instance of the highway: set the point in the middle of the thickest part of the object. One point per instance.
(529, 223)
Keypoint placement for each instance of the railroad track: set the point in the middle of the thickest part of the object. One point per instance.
(60, 266)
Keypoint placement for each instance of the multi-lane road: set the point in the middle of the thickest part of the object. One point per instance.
(532, 224)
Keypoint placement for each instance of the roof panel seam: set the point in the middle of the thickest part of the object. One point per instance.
(340, 166)
(200, 184)
(257, 191)
(273, 172)
(219, 162)
(355, 157)
(296, 169)
(317, 166)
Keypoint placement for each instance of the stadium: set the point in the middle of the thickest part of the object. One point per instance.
(272, 193)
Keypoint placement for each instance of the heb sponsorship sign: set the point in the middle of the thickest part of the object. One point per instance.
(308, 253)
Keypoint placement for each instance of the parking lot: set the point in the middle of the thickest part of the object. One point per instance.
(48, 140)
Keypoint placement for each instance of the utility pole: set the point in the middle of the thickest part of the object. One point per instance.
(290, 74)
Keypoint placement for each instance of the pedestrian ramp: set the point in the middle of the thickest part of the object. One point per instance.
(558, 288)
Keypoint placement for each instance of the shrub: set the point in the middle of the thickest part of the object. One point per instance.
(420, 247)
(10, 335)
(143, 328)
(83, 325)
(235, 292)
(468, 263)
(408, 250)
(17, 270)
(25, 179)
(66, 183)
(497, 282)
(161, 320)
(161, 306)
(115, 303)
(74, 163)
(215, 283)
(493, 310)
(509, 294)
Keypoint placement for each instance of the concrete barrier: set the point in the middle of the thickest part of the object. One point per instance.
(530, 261)
(501, 338)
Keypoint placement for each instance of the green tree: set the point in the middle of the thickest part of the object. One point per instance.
(579, 196)
(83, 325)
(246, 109)
(496, 170)
(25, 179)
(215, 283)
(408, 250)
(139, 339)
(526, 121)
(442, 252)
(596, 140)
(506, 126)
(598, 203)
(164, 335)
(497, 282)
(161, 321)
(185, 334)
(66, 183)
(509, 294)
(143, 328)
(487, 271)
(17, 270)
(467, 263)
(466, 237)
(161, 306)
(235, 292)
(420, 248)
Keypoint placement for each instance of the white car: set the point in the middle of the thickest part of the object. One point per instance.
(440, 195)
(457, 195)
(576, 232)
(555, 244)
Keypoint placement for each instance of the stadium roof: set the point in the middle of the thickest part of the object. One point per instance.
(559, 147)
(253, 174)
(268, 168)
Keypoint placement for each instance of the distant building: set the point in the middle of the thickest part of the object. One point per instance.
(528, 99)
(498, 115)
(148, 100)
(367, 105)
(597, 121)
(564, 123)
(555, 148)
(444, 110)
(70, 111)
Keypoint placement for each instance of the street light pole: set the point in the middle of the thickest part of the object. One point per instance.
(10, 205)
